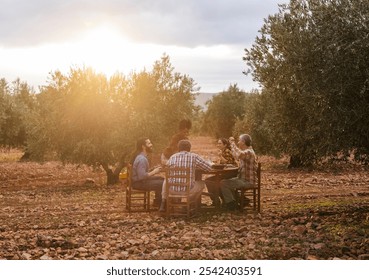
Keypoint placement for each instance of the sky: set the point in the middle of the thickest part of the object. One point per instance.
(204, 39)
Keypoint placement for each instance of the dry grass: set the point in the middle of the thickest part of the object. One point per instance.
(10, 155)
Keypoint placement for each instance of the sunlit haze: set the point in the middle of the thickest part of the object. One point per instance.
(208, 48)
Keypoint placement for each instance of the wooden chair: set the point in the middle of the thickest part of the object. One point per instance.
(252, 193)
(136, 200)
(179, 203)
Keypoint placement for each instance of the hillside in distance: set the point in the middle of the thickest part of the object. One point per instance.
(202, 98)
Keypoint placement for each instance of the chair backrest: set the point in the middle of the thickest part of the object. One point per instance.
(253, 191)
(129, 176)
(178, 180)
(180, 202)
(258, 175)
(136, 200)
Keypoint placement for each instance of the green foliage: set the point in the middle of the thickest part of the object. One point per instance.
(16, 101)
(160, 99)
(223, 111)
(312, 59)
(83, 117)
(258, 120)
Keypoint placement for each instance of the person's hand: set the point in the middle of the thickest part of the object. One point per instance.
(233, 145)
(157, 170)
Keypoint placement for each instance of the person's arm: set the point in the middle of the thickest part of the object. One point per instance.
(221, 158)
(202, 164)
(228, 157)
(142, 169)
(238, 153)
(154, 171)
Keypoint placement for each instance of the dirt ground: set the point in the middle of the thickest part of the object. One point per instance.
(51, 211)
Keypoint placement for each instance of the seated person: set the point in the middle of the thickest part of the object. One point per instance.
(142, 177)
(184, 158)
(246, 172)
(225, 157)
(224, 153)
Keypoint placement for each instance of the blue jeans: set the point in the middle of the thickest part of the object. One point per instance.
(153, 183)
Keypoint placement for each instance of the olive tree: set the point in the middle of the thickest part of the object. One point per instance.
(312, 60)
(86, 118)
(223, 110)
(16, 102)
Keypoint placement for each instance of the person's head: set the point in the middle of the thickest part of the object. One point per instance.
(223, 144)
(184, 145)
(144, 145)
(244, 141)
(185, 126)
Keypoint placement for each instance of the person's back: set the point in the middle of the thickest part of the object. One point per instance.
(190, 160)
(140, 168)
(184, 158)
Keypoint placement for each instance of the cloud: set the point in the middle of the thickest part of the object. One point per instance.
(187, 23)
(204, 38)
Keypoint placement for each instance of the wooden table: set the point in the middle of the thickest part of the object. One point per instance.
(220, 174)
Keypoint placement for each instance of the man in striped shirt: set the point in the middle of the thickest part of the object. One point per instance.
(246, 172)
(184, 158)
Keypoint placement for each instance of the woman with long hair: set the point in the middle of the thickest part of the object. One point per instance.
(225, 154)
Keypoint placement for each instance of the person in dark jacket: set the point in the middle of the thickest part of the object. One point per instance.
(182, 134)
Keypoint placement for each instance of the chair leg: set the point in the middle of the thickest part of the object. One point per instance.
(198, 204)
(132, 198)
(181, 207)
(242, 199)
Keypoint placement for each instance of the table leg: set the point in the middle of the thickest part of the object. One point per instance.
(217, 190)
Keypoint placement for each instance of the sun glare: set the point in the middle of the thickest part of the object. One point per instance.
(105, 49)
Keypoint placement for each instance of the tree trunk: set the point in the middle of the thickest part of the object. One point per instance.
(299, 161)
(295, 162)
(26, 156)
(113, 176)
